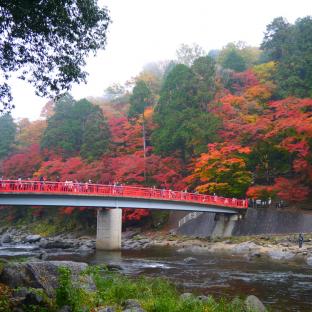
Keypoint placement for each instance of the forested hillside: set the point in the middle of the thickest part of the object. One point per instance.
(236, 122)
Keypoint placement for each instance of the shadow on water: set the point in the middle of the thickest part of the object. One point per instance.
(281, 286)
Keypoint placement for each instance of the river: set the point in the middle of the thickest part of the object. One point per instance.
(281, 286)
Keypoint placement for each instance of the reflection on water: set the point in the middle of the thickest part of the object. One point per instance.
(282, 287)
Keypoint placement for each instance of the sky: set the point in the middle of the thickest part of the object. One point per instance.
(146, 31)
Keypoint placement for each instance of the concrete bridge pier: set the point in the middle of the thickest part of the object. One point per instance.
(224, 225)
(108, 231)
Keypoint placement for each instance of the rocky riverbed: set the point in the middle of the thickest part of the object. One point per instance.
(273, 247)
(18, 243)
(42, 256)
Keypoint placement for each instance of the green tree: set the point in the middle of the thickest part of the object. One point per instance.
(204, 69)
(8, 131)
(47, 42)
(238, 56)
(96, 136)
(290, 46)
(70, 129)
(183, 125)
(140, 99)
(233, 60)
(269, 162)
(276, 37)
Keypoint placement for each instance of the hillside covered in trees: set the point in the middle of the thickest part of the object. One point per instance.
(236, 122)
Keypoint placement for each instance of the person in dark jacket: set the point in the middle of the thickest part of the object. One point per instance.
(300, 240)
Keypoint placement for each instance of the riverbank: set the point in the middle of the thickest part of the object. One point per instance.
(65, 286)
(74, 246)
(273, 247)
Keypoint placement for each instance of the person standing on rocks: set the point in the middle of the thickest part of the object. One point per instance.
(300, 240)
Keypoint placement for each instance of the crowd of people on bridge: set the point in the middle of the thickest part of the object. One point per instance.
(115, 188)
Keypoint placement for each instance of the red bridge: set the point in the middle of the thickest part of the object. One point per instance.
(45, 193)
(71, 188)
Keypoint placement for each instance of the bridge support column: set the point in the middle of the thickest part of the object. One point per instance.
(108, 232)
(224, 225)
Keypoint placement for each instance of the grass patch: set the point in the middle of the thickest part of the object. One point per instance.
(154, 294)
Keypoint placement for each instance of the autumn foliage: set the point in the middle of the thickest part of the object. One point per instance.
(209, 131)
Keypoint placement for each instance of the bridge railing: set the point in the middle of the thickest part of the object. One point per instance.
(20, 186)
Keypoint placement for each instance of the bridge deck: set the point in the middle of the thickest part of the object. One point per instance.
(25, 189)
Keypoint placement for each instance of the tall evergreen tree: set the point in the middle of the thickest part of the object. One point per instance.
(8, 131)
(141, 98)
(290, 45)
(183, 124)
(96, 136)
(70, 129)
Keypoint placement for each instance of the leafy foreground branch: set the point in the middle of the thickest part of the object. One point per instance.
(116, 292)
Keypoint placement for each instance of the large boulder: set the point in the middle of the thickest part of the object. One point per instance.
(254, 304)
(43, 274)
(6, 238)
(309, 260)
(32, 238)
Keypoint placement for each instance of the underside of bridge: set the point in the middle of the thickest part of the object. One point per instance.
(109, 217)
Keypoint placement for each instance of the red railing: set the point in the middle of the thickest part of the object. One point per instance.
(20, 186)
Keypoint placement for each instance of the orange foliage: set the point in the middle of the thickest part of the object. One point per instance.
(291, 190)
(261, 192)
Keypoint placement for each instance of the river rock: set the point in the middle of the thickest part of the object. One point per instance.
(62, 255)
(106, 309)
(129, 234)
(186, 296)
(20, 292)
(6, 238)
(132, 305)
(85, 250)
(43, 274)
(280, 255)
(254, 304)
(25, 297)
(202, 298)
(89, 244)
(65, 308)
(309, 260)
(245, 247)
(58, 244)
(190, 260)
(33, 298)
(32, 238)
(144, 241)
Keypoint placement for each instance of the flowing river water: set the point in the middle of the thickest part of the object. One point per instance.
(281, 286)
